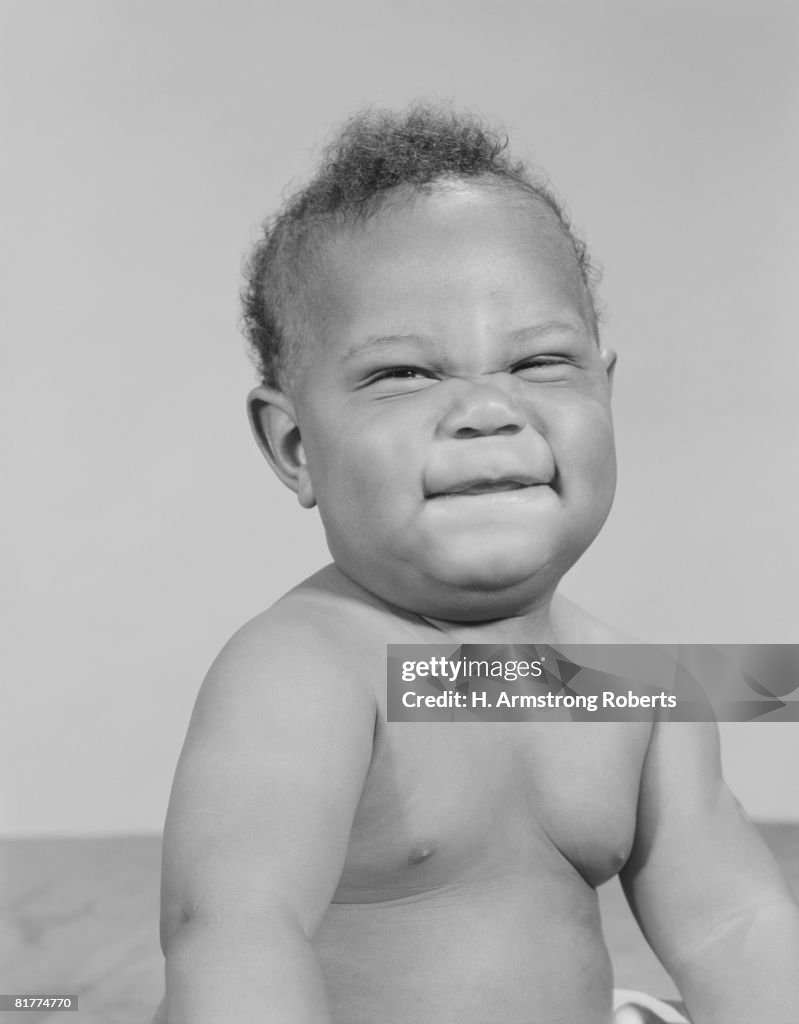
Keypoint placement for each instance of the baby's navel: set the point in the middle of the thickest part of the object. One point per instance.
(420, 853)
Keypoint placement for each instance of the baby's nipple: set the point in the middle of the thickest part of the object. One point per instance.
(420, 854)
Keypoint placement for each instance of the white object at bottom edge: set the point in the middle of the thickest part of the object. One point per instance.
(621, 996)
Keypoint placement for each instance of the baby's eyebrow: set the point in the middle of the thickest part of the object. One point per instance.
(536, 331)
(386, 340)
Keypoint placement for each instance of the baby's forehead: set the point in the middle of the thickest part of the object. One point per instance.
(460, 239)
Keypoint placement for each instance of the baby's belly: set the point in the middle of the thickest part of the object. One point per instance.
(510, 951)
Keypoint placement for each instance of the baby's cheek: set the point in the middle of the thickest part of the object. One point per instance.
(585, 446)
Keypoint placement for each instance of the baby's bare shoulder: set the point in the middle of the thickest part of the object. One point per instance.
(282, 731)
(303, 652)
(312, 657)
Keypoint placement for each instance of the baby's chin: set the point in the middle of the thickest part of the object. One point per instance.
(499, 584)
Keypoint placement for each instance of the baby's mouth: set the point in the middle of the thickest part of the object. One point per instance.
(482, 487)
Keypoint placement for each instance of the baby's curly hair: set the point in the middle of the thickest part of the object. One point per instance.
(378, 155)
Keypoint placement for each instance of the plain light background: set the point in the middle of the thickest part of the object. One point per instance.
(143, 143)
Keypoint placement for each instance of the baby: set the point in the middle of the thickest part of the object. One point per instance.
(433, 380)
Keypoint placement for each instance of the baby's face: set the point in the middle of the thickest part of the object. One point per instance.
(454, 409)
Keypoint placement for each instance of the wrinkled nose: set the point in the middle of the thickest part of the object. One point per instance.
(483, 409)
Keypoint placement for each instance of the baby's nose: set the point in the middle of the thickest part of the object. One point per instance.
(480, 409)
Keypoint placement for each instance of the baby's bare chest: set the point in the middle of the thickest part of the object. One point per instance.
(448, 802)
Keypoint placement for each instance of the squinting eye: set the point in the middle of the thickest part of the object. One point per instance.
(544, 365)
(400, 373)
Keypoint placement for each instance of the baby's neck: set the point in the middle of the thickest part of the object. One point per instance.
(554, 619)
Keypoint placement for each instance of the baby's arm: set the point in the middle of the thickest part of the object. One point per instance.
(706, 890)
(258, 826)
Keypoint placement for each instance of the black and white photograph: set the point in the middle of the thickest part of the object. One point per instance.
(401, 619)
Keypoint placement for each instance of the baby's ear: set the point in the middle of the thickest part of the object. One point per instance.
(274, 424)
(608, 357)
